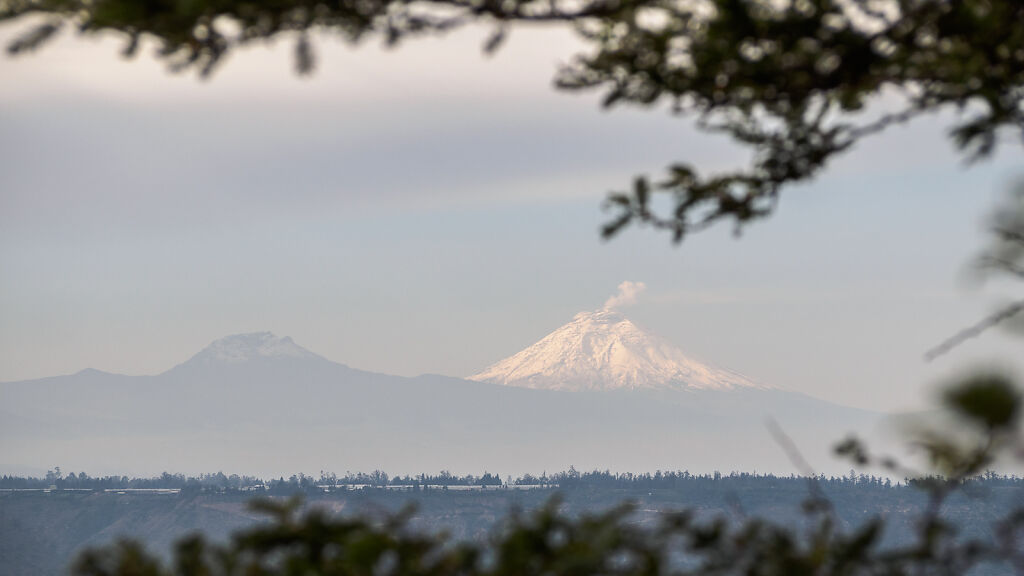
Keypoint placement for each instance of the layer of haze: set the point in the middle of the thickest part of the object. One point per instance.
(432, 210)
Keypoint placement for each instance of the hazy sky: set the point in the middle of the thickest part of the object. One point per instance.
(432, 210)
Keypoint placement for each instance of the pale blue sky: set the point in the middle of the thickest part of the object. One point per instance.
(433, 210)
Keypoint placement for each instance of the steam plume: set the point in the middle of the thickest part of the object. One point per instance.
(628, 292)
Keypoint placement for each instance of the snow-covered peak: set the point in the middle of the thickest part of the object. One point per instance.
(239, 348)
(603, 350)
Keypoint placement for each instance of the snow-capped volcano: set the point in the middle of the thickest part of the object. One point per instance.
(239, 348)
(603, 350)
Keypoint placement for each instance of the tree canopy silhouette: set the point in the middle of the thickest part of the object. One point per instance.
(797, 82)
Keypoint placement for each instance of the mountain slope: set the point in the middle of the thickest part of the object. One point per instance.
(275, 414)
(239, 348)
(603, 350)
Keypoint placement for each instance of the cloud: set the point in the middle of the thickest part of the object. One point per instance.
(628, 293)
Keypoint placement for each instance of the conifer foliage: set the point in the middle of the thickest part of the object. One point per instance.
(792, 80)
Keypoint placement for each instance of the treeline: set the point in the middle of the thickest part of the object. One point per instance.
(679, 479)
(56, 479)
(379, 478)
(82, 481)
(568, 480)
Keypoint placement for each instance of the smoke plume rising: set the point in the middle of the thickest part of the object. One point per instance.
(628, 293)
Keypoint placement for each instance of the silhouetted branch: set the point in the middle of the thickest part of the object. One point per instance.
(787, 80)
(974, 331)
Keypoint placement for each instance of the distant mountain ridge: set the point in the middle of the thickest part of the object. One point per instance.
(260, 404)
(243, 347)
(602, 351)
(248, 348)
